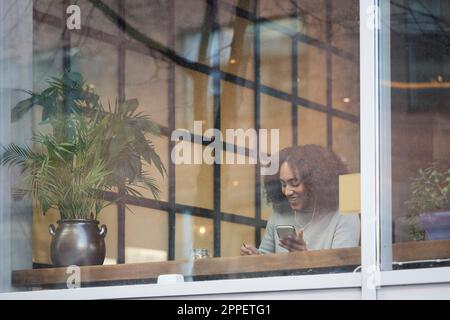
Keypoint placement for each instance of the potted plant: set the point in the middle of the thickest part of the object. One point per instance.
(430, 201)
(89, 151)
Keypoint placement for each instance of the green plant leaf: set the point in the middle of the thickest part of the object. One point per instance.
(21, 108)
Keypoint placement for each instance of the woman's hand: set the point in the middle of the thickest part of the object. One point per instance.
(247, 250)
(291, 243)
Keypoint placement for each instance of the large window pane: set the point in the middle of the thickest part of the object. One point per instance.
(345, 137)
(237, 187)
(275, 59)
(191, 70)
(193, 99)
(194, 183)
(97, 61)
(193, 233)
(232, 237)
(193, 30)
(419, 133)
(276, 114)
(312, 127)
(311, 78)
(145, 235)
(236, 45)
(146, 79)
(161, 144)
(237, 111)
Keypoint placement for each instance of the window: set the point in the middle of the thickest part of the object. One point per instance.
(192, 65)
(415, 157)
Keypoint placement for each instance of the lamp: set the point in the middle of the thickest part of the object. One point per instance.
(350, 193)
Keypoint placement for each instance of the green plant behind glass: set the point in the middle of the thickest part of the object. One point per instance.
(67, 175)
(121, 131)
(430, 190)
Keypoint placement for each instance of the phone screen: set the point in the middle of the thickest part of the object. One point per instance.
(285, 231)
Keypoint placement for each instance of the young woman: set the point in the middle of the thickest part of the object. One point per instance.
(304, 193)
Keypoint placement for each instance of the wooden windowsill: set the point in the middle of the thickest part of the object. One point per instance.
(407, 251)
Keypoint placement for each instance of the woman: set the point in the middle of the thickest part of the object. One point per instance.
(304, 193)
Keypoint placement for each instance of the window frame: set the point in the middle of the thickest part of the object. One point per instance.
(372, 282)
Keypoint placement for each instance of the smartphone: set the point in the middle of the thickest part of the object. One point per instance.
(284, 231)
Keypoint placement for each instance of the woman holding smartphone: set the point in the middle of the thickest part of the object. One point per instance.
(304, 195)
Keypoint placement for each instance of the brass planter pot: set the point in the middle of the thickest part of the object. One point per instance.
(77, 242)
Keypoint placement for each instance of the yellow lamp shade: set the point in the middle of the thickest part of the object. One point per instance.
(350, 193)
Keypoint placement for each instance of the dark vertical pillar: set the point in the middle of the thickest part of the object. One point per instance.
(66, 63)
(121, 98)
(171, 125)
(294, 79)
(257, 116)
(217, 119)
(329, 71)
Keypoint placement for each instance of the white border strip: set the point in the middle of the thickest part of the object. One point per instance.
(415, 276)
(270, 284)
(369, 145)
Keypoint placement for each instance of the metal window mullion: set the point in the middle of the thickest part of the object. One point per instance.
(369, 149)
(385, 139)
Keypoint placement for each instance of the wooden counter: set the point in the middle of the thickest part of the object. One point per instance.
(407, 251)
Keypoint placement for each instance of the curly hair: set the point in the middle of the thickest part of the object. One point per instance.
(317, 167)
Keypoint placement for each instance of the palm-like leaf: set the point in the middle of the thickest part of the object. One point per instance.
(89, 151)
(69, 175)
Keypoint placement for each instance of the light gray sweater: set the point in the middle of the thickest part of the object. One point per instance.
(327, 230)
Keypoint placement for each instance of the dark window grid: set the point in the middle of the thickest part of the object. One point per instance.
(121, 214)
(201, 68)
(329, 70)
(300, 37)
(217, 119)
(189, 210)
(171, 121)
(66, 63)
(257, 116)
(294, 88)
(246, 83)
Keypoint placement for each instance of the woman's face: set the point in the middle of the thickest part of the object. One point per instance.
(294, 189)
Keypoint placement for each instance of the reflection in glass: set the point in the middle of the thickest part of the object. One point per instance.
(145, 235)
(312, 127)
(192, 233)
(276, 114)
(238, 188)
(275, 60)
(194, 183)
(146, 78)
(420, 130)
(233, 235)
(194, 60)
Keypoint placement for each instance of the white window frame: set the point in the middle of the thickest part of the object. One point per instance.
(376, 191)
(376, 242)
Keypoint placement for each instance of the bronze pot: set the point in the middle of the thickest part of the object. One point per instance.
(77, 242)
